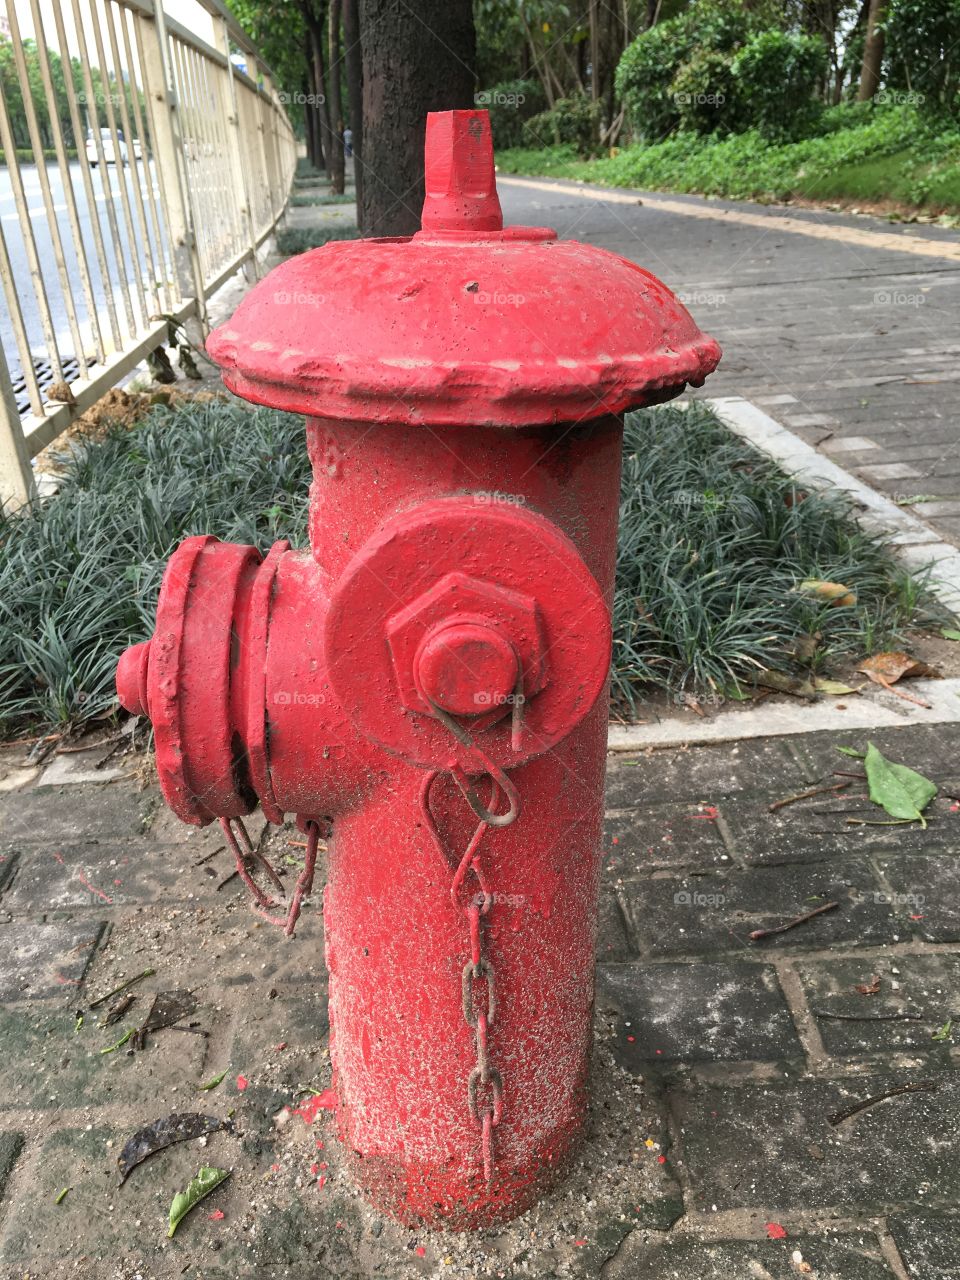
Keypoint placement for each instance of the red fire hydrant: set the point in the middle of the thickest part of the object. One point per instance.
(430, 678)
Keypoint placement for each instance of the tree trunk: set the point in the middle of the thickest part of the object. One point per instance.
(311, 115)
(336, 114)
(323, 104)
(872, 53)
(594, 52)
(313, 17)
(353, 59)
(415, 59)
(537, 61)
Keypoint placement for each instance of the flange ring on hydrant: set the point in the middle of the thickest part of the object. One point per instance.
(427, 683)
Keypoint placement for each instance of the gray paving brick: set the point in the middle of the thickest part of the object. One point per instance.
(98, 1228)
(771, 1145)
(11, 1144)
(673, 835)
(705, 773)
(54, 1066)
(839, 1257)
(45, 961)
(937, 881)
(612, 942)
(75, 814)
(925, 986)
(702, 914)
(107, 877)
(833, 826)
(931, 749)
(696, 1013)
(928, 1245)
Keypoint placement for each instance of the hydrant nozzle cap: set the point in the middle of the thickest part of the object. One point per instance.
(132, 678)
(460, 179)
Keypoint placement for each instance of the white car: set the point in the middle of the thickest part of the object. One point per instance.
(106, 141)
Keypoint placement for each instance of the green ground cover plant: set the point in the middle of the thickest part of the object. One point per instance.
(292, 240)
(301, 198)
(866, 152)
(714, 543)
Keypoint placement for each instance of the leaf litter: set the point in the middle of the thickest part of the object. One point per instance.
(165, 1132)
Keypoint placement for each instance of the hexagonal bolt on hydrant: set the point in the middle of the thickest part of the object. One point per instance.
(431, 676)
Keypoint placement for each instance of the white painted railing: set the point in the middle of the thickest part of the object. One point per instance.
(184, 159)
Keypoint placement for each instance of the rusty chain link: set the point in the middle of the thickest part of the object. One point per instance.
(484, 1083)
(246, 853)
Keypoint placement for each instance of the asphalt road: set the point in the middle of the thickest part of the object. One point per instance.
(131, 256)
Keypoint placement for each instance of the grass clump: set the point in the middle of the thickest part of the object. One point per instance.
(293, 240)
(299, 199)
(79, 578)
(713, 542)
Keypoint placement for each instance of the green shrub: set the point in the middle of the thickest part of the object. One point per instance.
(863, 152)
(923, 53)
(571, 120)
(705, 95)
(681, 74)
(777, 74)
(645, 76)
(79, 576)
(510, 104)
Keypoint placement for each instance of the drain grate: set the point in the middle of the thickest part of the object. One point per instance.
(46, 377)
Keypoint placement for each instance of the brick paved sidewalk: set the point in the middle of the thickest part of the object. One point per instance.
(853, 348)
(719, 1062)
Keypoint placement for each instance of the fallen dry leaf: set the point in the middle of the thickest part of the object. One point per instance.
(888, 668)
(869, 988)
(885, 669)
(833, 593)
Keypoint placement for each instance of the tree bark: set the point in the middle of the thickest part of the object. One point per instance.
(594, 52)
(353, 61)
(313, 16)
(336, 114)
(872, 53)
(311, 117)
(418, 56)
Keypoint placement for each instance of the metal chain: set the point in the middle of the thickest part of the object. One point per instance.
(485, 1097)
(246, 852)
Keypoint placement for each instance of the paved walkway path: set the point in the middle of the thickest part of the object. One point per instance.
(846, 329)
(718, 1149)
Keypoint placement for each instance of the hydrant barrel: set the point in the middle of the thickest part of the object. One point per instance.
(430, 677)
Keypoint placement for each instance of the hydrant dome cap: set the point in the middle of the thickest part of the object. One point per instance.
(466, 322)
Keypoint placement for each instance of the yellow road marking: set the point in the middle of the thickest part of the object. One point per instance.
(795, 226)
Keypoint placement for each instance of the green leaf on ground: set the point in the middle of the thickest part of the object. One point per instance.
(901, 792)
(851, 751)
(950, 633)
(835, 687)
(944, 1032)
(207, 1180)
(212, 1084)
(121, 1042)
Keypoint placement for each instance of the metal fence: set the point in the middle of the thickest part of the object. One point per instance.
(153, 163)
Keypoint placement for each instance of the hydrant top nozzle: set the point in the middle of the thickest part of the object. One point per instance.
(460, 180)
